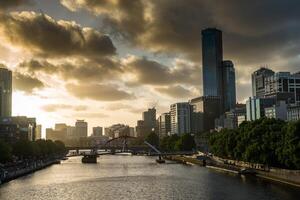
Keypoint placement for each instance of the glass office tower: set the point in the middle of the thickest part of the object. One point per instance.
(229, 90)
(212, 56)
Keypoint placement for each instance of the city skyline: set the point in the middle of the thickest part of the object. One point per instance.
(58, 72)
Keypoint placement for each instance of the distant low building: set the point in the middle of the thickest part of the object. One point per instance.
(97, 131)
(117, 130)
(16, 128)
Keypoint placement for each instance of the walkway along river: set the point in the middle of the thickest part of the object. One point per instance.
(139, 177)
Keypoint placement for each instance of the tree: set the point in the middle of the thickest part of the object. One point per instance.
(5, 152)
(153, 139)
(185, 143)
(266, 141)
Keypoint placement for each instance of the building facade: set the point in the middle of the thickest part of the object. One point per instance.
(97, 131)
(5, 92)
(164, 124)
(259, 81)
(180, 115)
(81, 129)
(212, 57)
(229, 89)
(149, 118)
(205, 111)
(38, 132)
(17, 128)
(293, 113)
(283, 86)
(255, 107)
(277, 111)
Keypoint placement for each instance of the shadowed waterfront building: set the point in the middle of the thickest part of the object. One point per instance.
(5, 92)
(180, 118)
(16, 128)
(205, 110)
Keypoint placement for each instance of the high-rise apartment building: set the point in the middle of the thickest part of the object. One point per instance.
(180, 118)
(259, 81)
(81, 128)
(283, 86)
(164, 124)
(5, 92)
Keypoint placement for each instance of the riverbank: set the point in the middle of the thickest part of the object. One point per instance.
(289, 177)
(22, 169)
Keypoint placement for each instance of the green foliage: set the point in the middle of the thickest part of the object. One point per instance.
(153, 139)
(185, 143)
(5, 152)
(24, 149)
(266, 141)
(175, 143)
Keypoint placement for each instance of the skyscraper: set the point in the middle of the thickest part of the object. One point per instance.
(229, 90)
(5, 92)
(212, 56)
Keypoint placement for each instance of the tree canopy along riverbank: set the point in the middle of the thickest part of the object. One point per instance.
(271, 142)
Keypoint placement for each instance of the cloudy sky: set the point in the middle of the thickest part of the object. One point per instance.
(106, 61)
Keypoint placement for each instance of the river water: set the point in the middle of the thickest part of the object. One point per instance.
(139, 177)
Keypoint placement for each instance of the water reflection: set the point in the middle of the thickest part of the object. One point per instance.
(137, 177)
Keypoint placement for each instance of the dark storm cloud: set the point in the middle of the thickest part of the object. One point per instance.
(254, 31)
(57, 107)
(26, 83)
(4, 4)
(99, 92)
(154, 73)
(42, 35)
(175, 91)
(96, 70)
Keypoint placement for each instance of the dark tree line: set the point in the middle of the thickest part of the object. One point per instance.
(267, 141)
(172, 143)
(24, 149)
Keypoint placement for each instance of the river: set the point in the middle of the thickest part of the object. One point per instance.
(139, 177)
